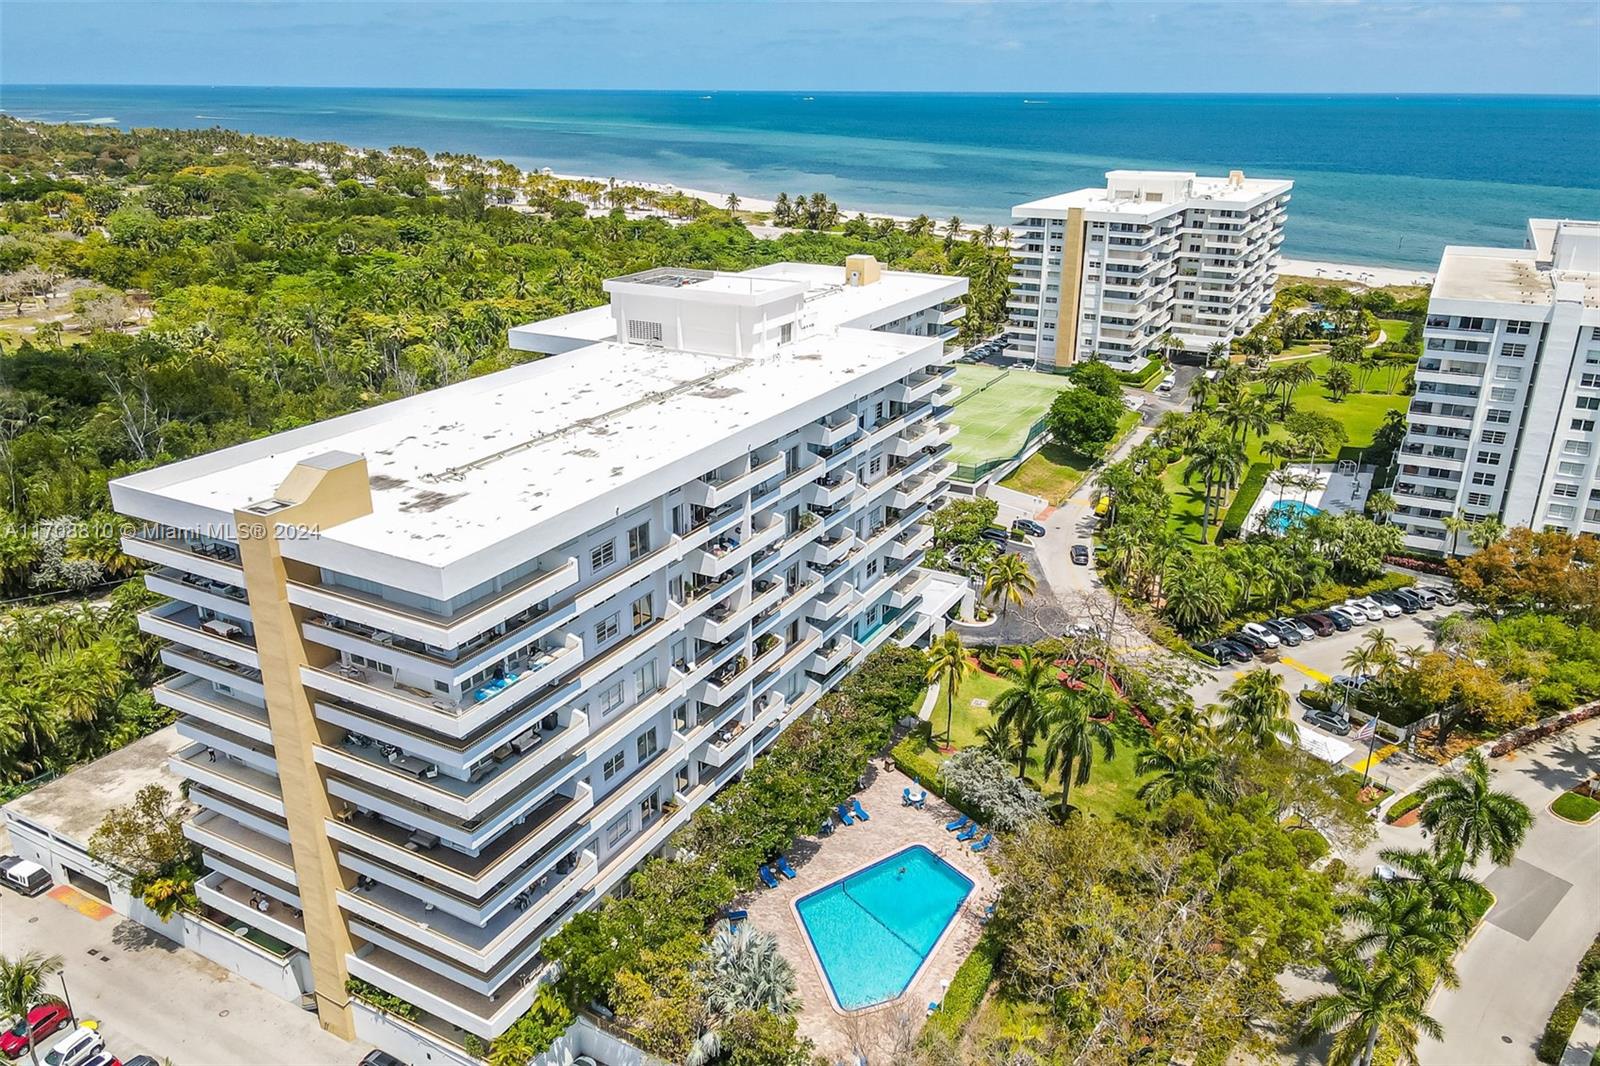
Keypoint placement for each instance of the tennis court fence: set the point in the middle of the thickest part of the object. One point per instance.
(975, 472)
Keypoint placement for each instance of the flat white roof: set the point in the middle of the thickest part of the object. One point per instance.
(1500, 275)
(1202, 190)
(462, 469)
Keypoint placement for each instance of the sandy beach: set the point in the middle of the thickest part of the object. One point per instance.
(1366, 274)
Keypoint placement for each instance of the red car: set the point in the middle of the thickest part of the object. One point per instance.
(43, 1020)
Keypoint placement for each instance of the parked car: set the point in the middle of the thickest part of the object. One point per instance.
(1028, 526)
(1410, 596)
(380, 1058)
(1349, 615)
(1385, 610)
(1080, 554)
(1222, 651)
(1429, 598)
(1444, 594)
(1262, 633)
(1330, 720)
(1395, 600)
(41, 1021)
(1167, 383)
(1241, 651)
(26, 877)
(141, 1060)
(1251, 641)
(1287, 632)
(996, 534)
(1320, 623)
(103, 1058)
(77, 1048)
(1305, 631)
(1372, 613)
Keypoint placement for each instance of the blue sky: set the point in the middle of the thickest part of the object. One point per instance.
(1084, 45)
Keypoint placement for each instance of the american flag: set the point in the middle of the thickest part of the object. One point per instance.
(1367, 731)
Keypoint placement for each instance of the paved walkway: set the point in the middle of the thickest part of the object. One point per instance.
(820, 861)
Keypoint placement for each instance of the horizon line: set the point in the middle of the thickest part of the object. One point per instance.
(808, 92)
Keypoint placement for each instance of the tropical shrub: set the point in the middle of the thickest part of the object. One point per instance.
(991, 787)
(1402, 807)
(1564, 1018)
(967, 988)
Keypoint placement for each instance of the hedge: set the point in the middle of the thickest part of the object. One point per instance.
(1141, 378)
(1250, 488)
(1402, 807)
(914, 757)
(967, 989)
(1564, 1018)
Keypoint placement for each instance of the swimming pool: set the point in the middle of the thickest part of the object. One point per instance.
(873, 930)
(1288, 514)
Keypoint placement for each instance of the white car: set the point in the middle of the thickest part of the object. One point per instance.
(1261, 633)
(1371, 614)
(1305, 631)
(1390, 610)
(1350, 614)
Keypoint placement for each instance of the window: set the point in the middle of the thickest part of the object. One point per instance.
(648, 745)
(617, 831)
(603, 556)
(611, 697)
(1561, 510)
(1520, 328)
(786, 333)
(1489, 458)
(1481, 478)
(1589, 403)
(649, 807)
(1565, 490)
(1571, 469)
(1508, 373)
(1477, 499)
(1497, 415)
(1503, 393)
(644, 679)
(1513, 351)
(872, 569)
(1575, 447)
(605, 629)
(1494, 436)
(638, 541)
(1589, 381)
(1584, 424)
(614, 765)
(879, 411)
(644, 610)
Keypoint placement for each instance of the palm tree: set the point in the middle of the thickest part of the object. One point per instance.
(1455, 525)
(1127, 552)
(1380, 505)
(22, 988)
(732, 203)
(1464, 813)
(1197, 593)
(1007, 580)
(1399, 917)
(1072, 734)
(952, 232)
(744, 972)
(1256, 709)
(1438, 873)
(1337, 380)
(1218, 459)
(1180, 765)
(1023, 706)
(947, 667)
(999, 738)
(1383, 998)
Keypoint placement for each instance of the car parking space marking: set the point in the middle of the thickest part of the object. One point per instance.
(1366, 765)
(1310, 671)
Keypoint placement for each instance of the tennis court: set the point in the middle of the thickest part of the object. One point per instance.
(996, 409)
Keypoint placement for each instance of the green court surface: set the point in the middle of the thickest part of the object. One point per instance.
(995, 410)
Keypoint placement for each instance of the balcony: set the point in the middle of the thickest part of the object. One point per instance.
(174, 549)
(909, 589)
(914, 490)
(833, 489)
(834, 603)
(221, 597)
(728, 680)
(196, 698)
(724, 620)
(441, 997)
(728, 551)
(833, 653)
(714, 492)
(950, 311)
(223, 742)
(915, 388)
(827, 432)
(252, 850)
(546, 830)
(911, 542)
(229, 777)
(242, 903)
(832, 547)
(181, 623)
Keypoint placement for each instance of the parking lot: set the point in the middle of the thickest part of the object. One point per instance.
(1316, 660)
(152, 997)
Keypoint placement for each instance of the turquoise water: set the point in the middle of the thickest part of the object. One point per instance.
(1286, 513)
(1379, 179)
(873, 930)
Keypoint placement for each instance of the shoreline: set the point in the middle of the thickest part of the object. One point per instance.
(1371, 274)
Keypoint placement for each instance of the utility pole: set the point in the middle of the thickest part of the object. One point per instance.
(67, 996)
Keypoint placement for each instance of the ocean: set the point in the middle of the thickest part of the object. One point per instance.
(1379, 180)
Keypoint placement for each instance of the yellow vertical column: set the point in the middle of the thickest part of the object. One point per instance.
(319, 493)
(1069, 315)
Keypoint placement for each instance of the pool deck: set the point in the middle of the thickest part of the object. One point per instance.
(1338, 492)
(819, 861)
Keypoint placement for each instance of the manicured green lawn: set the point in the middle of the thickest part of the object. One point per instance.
(1361, 414)
(1111, 786)
(996, 409)
(1053, 471)
(1394, 329)
(1574, 807)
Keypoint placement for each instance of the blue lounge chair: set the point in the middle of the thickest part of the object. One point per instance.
(905, 797)
(959, 823)
(736, 916)
(984, 843)
(987, 916)
(767, 878)
(968, 833)
(844, 815)
(784, 868)
(921, 801)
(863, 815)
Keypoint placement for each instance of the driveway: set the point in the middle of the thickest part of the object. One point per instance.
(155, 998)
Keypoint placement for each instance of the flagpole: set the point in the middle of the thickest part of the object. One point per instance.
(1372, 742)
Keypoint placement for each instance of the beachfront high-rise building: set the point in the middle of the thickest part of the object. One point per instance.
(1503, 421)
(1155, 252)
(453, 666)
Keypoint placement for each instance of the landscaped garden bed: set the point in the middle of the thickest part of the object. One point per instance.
(1578, 804)
(1404, 811)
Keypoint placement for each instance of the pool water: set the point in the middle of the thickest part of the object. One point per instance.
(873, 930)
(1288, 514)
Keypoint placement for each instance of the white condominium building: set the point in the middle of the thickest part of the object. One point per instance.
(1154, 252)
(453, 666)
(1508, 390)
